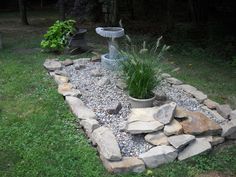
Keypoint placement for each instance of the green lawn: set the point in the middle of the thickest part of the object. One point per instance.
(40, 137)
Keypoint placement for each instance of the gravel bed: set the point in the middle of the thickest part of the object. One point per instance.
(99, 98)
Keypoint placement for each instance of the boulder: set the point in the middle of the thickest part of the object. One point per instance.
(157, 138)
(173, 81)
(127, 164)
(67, 62)
(114, 108)
(158, 155)
(197, 124)
(79, 109)
(61, 79)
(228, 127)
(196, 147)
(180, 113)
(210, 104)
(144, 127)
(89, 125)
(200, 96)
(187, 88)
(65, 87)
(224, 110)
(180, 141)
(52, 65)
(107, 144)
(165, 113)
(174, 128)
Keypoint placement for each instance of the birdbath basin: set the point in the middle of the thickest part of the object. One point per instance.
(111, 60)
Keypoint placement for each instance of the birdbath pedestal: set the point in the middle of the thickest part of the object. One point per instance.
(112, 59)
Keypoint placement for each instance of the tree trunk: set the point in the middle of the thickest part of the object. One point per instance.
(61, 4)
(114, 12)
(23, 12)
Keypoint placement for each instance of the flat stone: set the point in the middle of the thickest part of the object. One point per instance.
(82, 60)
(214, 140)
(114, 108)
(187, 88)
(196, 147)
(79, 109)
(180, 141)
(173, 81)
(200, 96)
(143, 127)
(180, 113)
(165, 75)
(103, 81)
(228, 127)
(174, 128)
(232, 114)
(89, 125)
(224, 110)
(52, 65)
(158, 155)
(65, 87)
(142, 114)
(72, 92)
(197, 123)
(157, 138)
(165, 113)
(107, 144)
(96, 72)
(127, 164)
(218, 117)
(67, 62)
(61, 79)
(61, 73)
(210, 104)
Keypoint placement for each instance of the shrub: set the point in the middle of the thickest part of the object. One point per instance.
(141, 69)
(57, 37)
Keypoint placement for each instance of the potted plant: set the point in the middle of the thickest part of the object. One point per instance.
(141, 71)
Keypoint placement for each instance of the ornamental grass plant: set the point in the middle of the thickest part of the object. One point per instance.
(142, 68)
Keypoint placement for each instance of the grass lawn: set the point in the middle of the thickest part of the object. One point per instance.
(40, 137)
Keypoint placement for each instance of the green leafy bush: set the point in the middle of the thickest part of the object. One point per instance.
(141, 69)
(57, 37)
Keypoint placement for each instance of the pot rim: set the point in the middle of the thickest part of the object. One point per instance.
(143, 100)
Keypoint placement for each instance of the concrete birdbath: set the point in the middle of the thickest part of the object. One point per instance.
(111, 60)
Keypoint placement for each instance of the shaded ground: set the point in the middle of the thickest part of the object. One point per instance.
(40, 137)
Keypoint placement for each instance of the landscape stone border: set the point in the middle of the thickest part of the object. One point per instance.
(200, 133)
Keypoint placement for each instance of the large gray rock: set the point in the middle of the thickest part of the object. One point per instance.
(158, 155)
(232, 114)
(228, 128)
(144, 127)
(187, 88)
(173, 81)
(127, 164)
(224, 110)
(174, 128)
(157, 138)
(141, 120)
(107, 144)
(114, 108)
(89, 125)
(165, 113)
(52, 65)
(196, 147)
(200, 96)
(79, 109)
(179, 141)
(210, 104)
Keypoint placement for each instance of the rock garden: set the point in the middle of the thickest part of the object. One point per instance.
(182, 123)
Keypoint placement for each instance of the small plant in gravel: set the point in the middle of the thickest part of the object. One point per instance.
(142, 68)
(58, 35)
